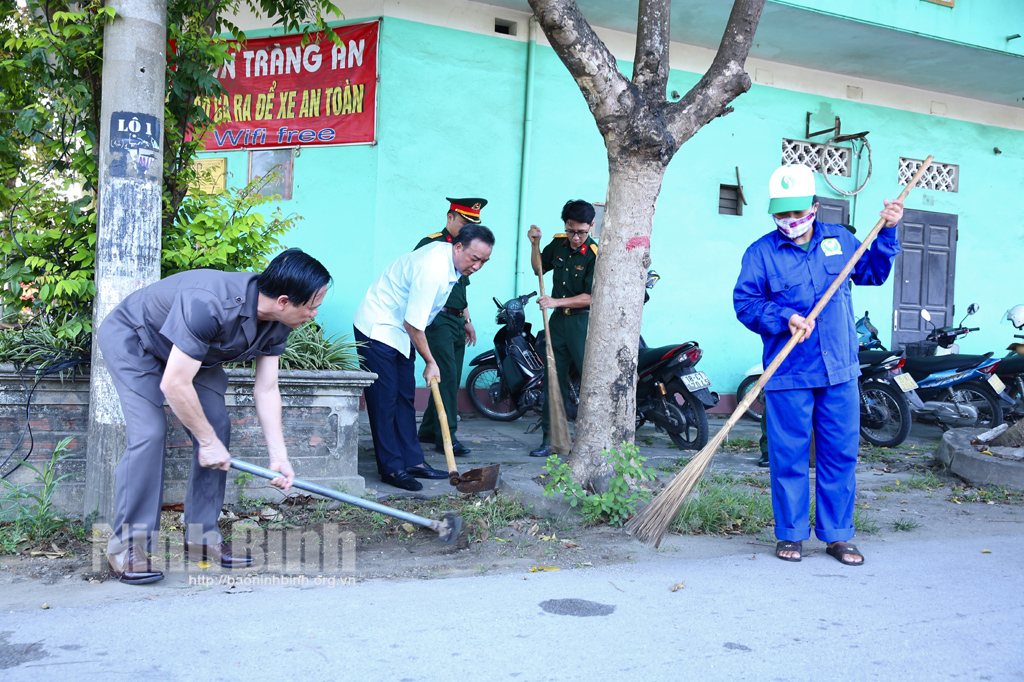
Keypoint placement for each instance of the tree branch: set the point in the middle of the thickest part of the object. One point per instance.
(591, 64)
(651, 60)
(724, 81)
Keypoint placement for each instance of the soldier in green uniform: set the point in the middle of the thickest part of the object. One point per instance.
(450, 333)
(572, 256)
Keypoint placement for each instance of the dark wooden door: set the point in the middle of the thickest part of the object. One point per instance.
(833, 210)
(923, 274)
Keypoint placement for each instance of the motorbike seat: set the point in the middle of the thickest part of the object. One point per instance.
(651, 356)
(874, 357)
(921, 367)
(1011, 365)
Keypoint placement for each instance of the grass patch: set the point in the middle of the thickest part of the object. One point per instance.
(921, 480)
(863, 523)
(740, 445)
(724, 505)
(986, 494)
(480, 516)
(904, 525)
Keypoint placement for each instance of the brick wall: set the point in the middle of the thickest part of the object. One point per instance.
(320, 415)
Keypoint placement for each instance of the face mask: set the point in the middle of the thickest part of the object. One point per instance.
(795, 227)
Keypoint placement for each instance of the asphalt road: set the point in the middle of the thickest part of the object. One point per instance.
(919, 609)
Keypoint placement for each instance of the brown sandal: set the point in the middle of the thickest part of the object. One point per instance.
(840, 550)
(789, 546)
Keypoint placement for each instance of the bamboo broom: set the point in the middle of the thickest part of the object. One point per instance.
(651, 522)
(561, 441)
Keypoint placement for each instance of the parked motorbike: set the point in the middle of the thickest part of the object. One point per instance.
(506, 383)
(1011, 367)
(884, 408)
(885, 413)
(954, 390)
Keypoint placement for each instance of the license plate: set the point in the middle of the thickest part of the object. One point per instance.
(996, 383)
(905, 382)
(696, 381)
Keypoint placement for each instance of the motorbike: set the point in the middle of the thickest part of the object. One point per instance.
(507, 382)
(885, 417)
(672, 393)
(1011, 368)
(885, 412)
(954, 390)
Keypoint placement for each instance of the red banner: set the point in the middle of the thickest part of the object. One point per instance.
(281, 93)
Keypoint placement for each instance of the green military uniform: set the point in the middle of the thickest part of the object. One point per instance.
(573, 275)
(446, 337)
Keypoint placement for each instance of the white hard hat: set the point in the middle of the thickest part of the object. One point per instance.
(1016, 316)
(791, 188)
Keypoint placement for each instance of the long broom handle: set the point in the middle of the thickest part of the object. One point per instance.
(548, 350)
(752, 394)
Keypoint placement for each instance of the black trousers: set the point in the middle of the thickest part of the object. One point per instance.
(390, 405)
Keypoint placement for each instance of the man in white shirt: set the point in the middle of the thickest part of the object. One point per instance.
(388, 323)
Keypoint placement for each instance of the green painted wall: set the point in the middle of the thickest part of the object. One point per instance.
(450, 123)
(981, 23)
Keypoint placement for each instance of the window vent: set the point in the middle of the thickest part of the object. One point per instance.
(729, 200)
(837, 162)
(505, 27)
(942, 177)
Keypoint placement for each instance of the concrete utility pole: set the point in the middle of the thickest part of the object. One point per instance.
(128, 232)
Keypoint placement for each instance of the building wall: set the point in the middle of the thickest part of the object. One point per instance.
(984, 24)
(451, 109)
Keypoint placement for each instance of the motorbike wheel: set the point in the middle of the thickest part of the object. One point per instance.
(982, 398)
(756, 411)
(884, 414)
(690, 428)
(478, 388)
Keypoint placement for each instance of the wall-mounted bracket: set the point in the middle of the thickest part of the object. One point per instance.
(807, 128)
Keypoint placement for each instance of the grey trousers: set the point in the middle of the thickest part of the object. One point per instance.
(138, 491)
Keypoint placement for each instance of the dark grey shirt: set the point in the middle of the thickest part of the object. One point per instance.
(209, 315)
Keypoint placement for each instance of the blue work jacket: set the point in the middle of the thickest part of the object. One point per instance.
(779, 279)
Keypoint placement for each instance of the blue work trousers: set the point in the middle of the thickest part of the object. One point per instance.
(834, 414)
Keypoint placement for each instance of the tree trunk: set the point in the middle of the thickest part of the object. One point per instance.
(608, 394)
(642, 132)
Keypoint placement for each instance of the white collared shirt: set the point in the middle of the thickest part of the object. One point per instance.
(413, 289)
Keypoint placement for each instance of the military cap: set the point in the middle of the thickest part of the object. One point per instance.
(468, 208)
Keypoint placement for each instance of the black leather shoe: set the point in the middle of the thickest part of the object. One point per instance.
(131, 566)
(763, 462)
(458, 449)
(426, 471)
(401, 479)
(542, 451)
(219, 553)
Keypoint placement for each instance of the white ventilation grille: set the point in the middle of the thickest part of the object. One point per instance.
(837, 162)
(942, 177)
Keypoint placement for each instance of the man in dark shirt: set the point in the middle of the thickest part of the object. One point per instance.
(450, 332)
(571, 255)
(168, 340)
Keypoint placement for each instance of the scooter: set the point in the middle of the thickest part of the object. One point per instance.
(671, 392)
(1011, 368)
(508, 382)
(885, 417)
(954, 390)
(885, 412)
